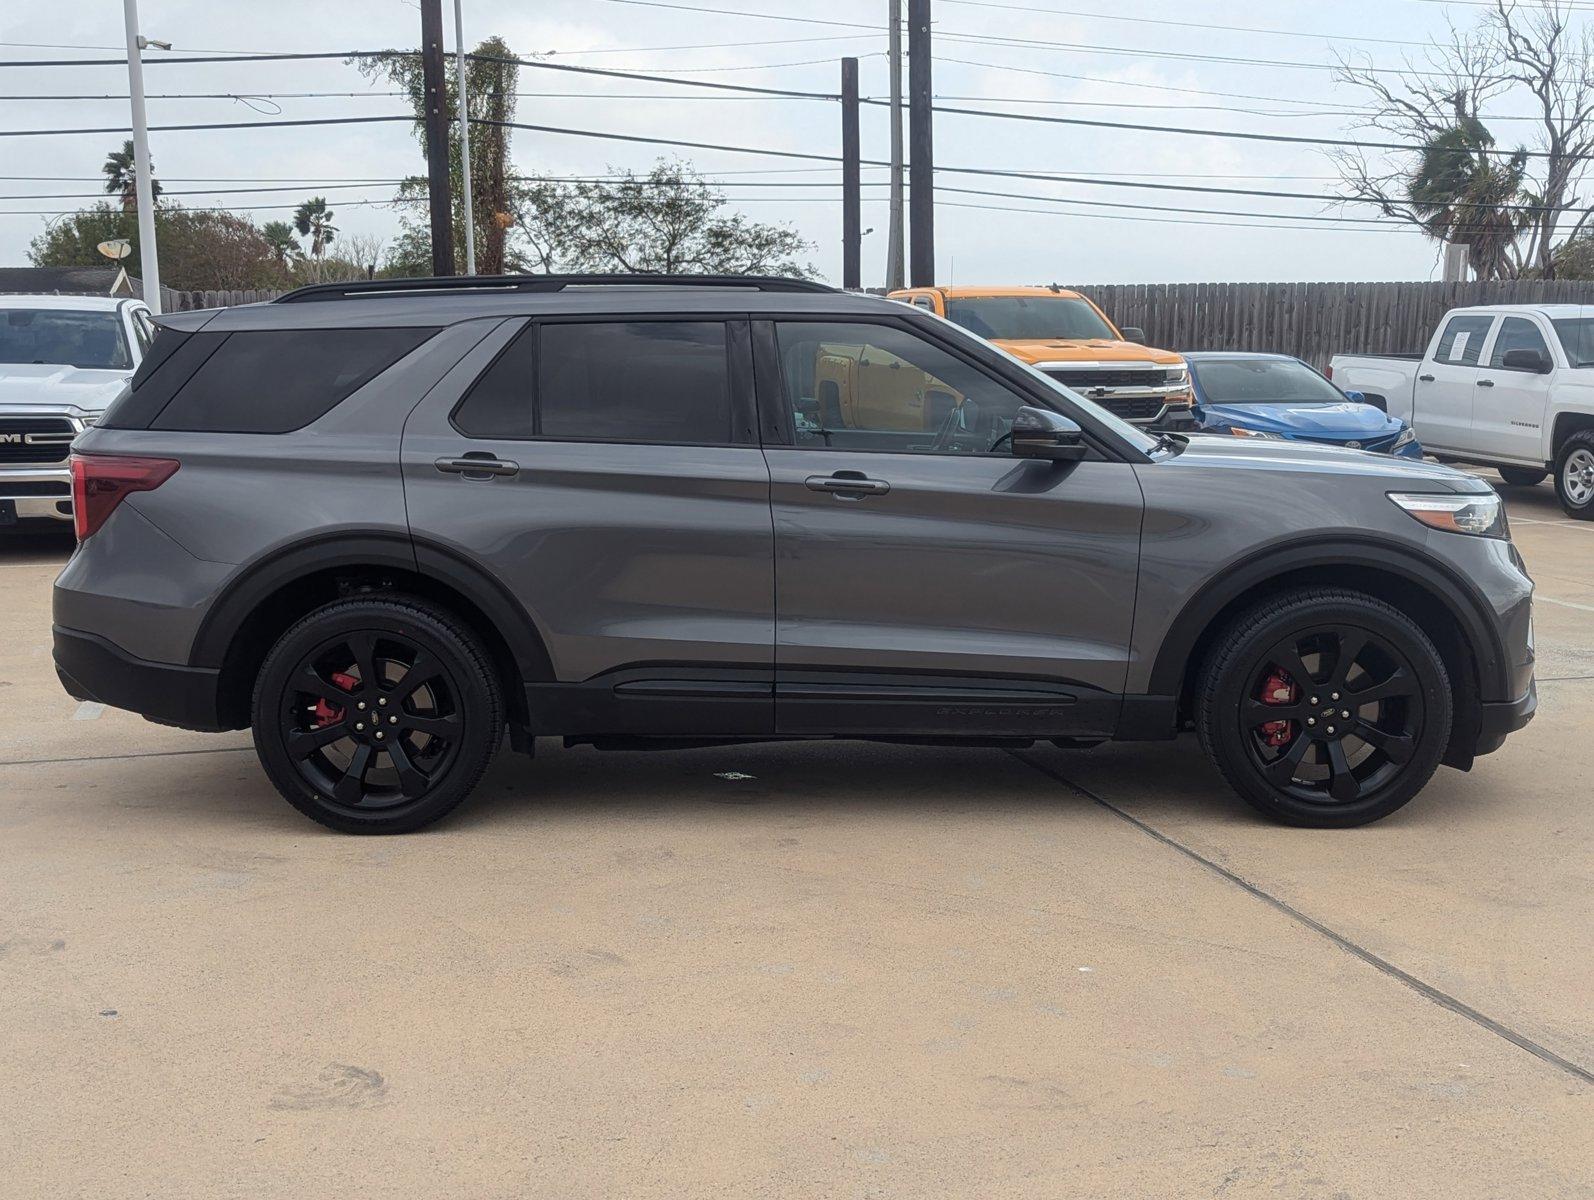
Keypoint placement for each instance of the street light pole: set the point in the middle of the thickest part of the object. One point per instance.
(464, 141)
(149, 264)
(895, 275)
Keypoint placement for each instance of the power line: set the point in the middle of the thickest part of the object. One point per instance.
(5, 133)
(214, 58)
(1101, 16)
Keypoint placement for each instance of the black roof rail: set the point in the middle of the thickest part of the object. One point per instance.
(453, 284)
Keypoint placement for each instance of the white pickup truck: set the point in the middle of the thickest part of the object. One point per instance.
(63, 359)
(1509, 386)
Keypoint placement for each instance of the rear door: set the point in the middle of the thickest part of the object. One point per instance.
(607, 473)
(928, 582)
(1508, 414)
(1447, 383)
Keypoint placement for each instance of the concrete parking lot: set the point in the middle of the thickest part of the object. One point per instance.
(794, 970)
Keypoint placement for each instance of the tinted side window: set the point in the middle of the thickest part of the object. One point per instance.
(273, 381)
(1517, 333)
(635, 381)
(1462, 341)
(498, 404)
(876, 387)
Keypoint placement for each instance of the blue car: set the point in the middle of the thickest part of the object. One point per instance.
(1280, 397)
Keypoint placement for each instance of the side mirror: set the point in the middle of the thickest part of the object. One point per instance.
(1133, 333)
(1526, 360)
(1042, 433)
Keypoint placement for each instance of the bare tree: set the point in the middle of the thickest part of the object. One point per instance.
(1456, 185)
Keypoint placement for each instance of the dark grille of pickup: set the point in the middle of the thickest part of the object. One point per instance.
(15, 449)
(1083, 380)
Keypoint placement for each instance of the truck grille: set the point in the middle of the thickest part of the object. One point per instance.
(1107, 377)
(35, 439)
(1132, 408)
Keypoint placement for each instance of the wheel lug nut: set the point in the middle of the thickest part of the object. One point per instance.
(383, 701)
(1330, 729)
(1313, 700)
(392, 720)
(380, 735)
(359, 727)
(1346, 714)
(360, 706)
(1311, 720)
(1335, 696)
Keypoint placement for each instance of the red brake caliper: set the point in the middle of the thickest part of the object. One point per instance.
(327, 713)
(1279, 689)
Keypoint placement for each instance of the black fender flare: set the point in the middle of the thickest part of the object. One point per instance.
(244, 594)
(1400, 559)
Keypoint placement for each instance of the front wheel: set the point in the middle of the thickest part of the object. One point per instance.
(1574, 476)
(376, 715)
(1325, 708)
(1522, 476)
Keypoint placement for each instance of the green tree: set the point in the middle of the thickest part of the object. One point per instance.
(199, 249)
(313, 220)
(284, 242)
(121, 177)
(1465, 193)
(669, 220)
(491, 77)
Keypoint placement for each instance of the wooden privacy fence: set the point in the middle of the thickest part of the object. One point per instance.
(1314, 321)
(175, 301)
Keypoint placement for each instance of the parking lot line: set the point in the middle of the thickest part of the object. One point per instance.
(1540, 599)
(1422, 988)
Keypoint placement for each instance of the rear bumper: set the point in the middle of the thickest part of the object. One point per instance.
(1498, 721)
(94, 668)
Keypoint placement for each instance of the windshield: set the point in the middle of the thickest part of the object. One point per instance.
(1029, 318)
(64, 337)
(1577, 339)
(1262, 381)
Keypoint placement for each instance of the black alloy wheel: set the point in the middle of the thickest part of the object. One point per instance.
(376, 715)
(1326, 708)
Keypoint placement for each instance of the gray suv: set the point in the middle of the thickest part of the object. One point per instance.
(382, 523)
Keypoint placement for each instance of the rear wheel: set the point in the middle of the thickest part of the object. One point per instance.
(1574, 475)
(1325, 708)
(1522, 476)
(376, 715)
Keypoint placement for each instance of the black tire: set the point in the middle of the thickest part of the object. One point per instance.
(1332, 772)
(427, 680)
(1574, 484)
(1522, 476)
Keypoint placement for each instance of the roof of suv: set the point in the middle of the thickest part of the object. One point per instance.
(441, 302)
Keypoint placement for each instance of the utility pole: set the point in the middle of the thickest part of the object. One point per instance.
(895, 275)
(436, 123)
(464, 141)
(921, 151)
(851, 208)
(149, 263)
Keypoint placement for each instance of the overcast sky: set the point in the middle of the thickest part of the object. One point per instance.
(1119, 64)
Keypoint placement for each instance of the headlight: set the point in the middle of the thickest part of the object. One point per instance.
(1480, 514)
(1407, 436)
(1177, 377)
(1254, 433)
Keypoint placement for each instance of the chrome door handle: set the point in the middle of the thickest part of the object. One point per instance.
(846, 485)
(477, 466)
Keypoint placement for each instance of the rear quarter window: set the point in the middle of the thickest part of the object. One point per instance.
(276, 381)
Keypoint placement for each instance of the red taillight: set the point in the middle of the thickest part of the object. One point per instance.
(102, 481)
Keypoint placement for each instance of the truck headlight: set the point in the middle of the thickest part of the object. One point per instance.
(1480, 514)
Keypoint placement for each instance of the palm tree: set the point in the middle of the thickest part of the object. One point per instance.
(314, 221)
(121, 177)
(1465, 192)
(284, 245)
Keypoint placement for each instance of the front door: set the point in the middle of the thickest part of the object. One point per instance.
(606, 472)
(1447, 384)
(1508, 414)
(928, 582)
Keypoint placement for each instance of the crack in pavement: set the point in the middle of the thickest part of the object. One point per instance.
(32, 762)
(1422, 988)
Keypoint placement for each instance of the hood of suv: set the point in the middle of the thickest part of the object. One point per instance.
(1086, 351)
(45, 385)
(1221, 451)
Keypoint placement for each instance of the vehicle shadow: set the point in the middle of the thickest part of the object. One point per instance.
(25, 544)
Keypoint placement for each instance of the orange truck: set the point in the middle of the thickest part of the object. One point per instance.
(1065, 335)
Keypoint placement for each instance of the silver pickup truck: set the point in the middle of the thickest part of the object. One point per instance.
(62, 360)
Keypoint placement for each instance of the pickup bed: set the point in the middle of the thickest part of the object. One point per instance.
(1505, 386)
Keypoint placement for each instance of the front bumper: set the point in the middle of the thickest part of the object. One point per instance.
(1496, 722)
(38, 492)
(94, 668)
